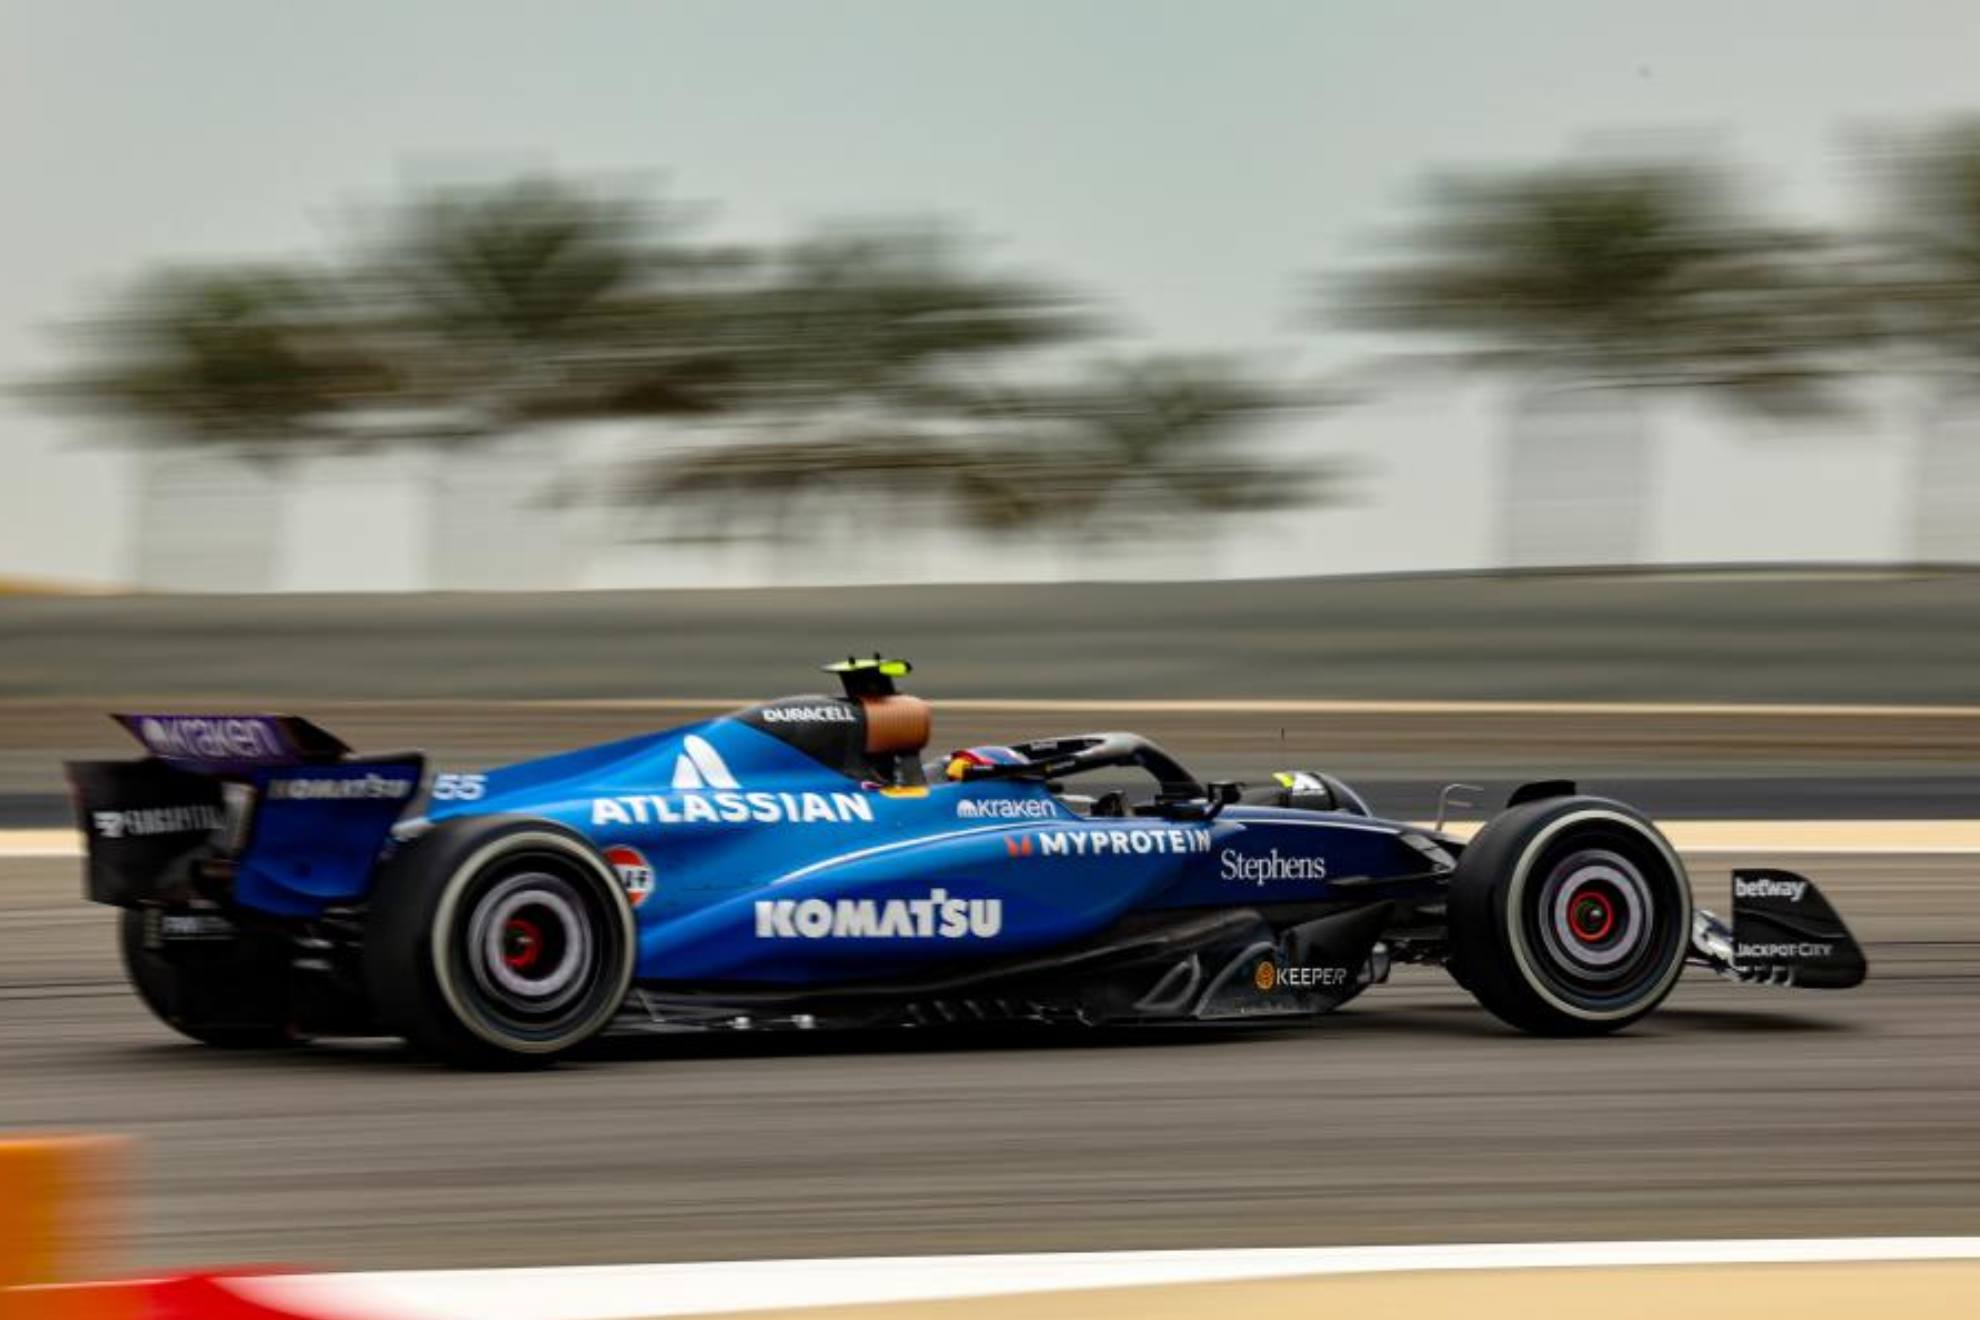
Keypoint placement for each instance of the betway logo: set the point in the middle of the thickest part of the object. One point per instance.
(711, 794)
(1141, 840)
(1792, 890)
(937, 916)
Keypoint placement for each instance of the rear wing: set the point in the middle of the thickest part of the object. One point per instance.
(233, 744)
(268, 811)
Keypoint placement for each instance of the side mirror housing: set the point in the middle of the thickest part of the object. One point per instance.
(1216, 797)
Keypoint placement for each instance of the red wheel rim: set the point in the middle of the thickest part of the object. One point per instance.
(1592, 915)
(522, 943)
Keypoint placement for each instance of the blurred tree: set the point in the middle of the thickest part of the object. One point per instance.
(1141, 443)
(1925, 248)
(238, 364)
(886, 316)
(247, 357)
(1130, 445)
(472, 316)
(856, 367)
(1591, 286)
(527, 305)
(541, 300)
(883, 369)
(863, 359)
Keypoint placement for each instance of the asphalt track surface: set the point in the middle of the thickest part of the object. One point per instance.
(1406, 1119)
(1409, 1117)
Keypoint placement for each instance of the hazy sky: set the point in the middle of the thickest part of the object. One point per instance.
(1188, 160)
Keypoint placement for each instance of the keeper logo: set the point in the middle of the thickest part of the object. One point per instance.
(1270, 976)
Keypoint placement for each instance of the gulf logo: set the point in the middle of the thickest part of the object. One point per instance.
(635, 872)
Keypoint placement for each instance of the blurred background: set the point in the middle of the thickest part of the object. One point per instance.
(1443, 390)
(699, 294)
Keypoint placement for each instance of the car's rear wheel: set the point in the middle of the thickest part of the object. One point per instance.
(232, 994)
(1569, 916)
(498, 942)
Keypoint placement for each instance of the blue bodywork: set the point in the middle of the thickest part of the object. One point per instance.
(753, 860)
(796, 863)
(1003, 866)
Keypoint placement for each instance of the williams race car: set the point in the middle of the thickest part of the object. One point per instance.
(796, 864)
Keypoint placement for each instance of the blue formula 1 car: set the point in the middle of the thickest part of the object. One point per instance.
(797, 864)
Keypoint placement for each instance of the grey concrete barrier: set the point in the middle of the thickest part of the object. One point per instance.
(1781, 635)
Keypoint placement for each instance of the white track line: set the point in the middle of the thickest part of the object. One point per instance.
(620, 1292)
(40, 843)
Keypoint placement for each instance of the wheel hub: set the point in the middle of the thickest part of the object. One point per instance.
(522, 944)
(529, 946)
(1596, 915)
(1593, 917)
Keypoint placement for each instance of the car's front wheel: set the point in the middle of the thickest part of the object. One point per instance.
(1569, 916)
(498, 942)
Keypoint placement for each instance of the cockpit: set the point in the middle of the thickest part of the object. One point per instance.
(1178, 794)
(1054, 760)
(878, 734)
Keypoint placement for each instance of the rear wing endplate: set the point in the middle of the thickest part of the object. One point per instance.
(275, 804)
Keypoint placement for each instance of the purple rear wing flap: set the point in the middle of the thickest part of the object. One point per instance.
(233, 744)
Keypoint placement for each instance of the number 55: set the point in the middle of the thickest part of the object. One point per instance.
(459, 788)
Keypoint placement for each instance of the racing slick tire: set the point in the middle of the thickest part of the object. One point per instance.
(1569, 916)
(233, 996)
(498, 942)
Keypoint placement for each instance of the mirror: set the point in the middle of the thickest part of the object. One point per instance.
(1216, 797)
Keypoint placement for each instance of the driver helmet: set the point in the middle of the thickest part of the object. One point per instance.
(960, 762)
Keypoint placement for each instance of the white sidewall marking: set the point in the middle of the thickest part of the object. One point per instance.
(1516, 934)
